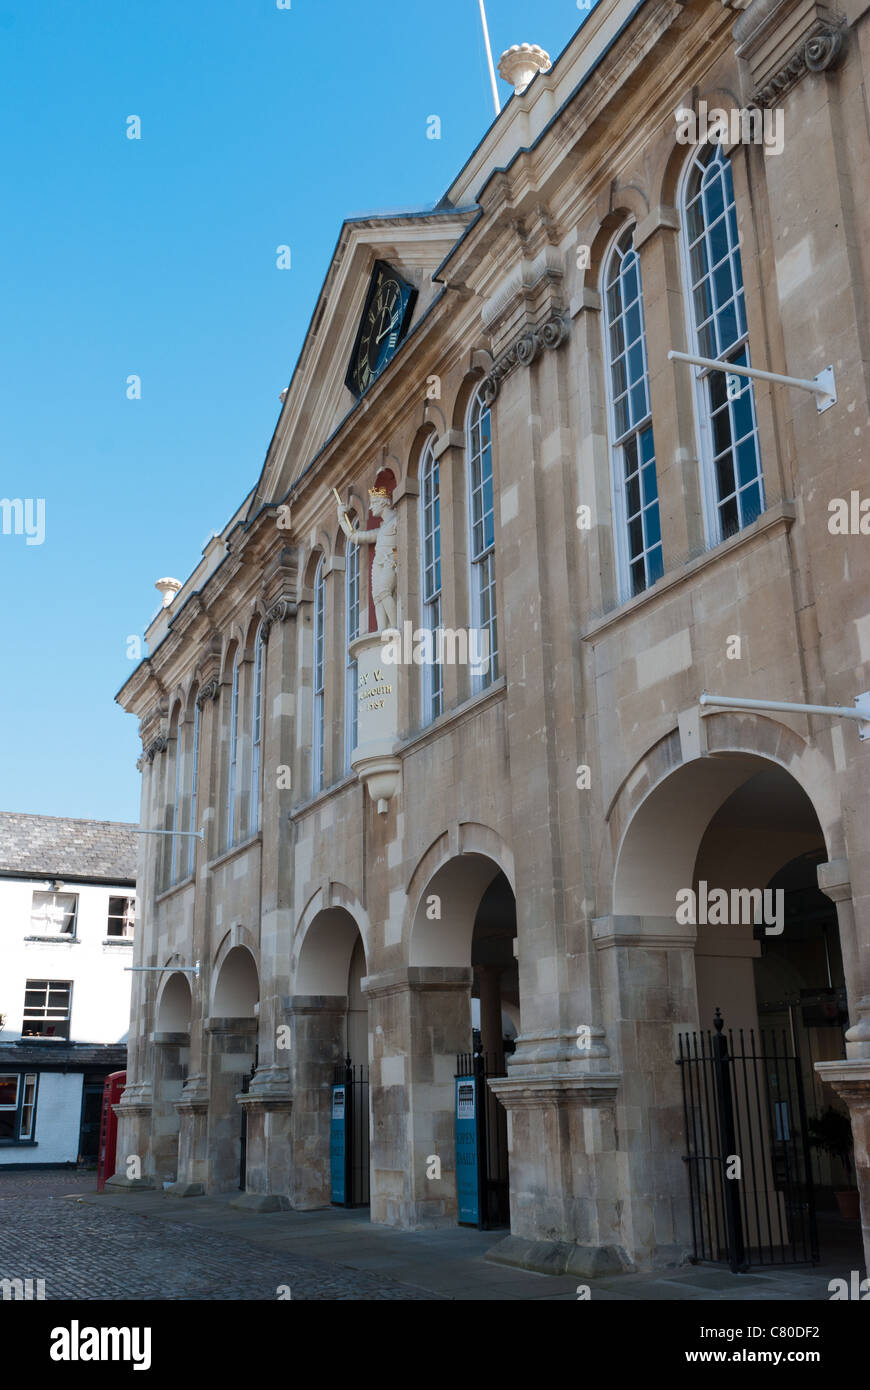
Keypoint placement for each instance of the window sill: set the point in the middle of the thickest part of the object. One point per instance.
(65, 939)
(174, 888)
(234, 850)
(19, 1144)
(779, 517)
(118, 941)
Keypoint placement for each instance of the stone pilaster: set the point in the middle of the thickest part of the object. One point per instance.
(851, 1080)
(192, 1109)
(232, 1042)
(317, 1046)
(268, 1105)
(171, 1051)
(419, 1019)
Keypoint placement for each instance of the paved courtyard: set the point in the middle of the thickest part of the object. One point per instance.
(54, 1226)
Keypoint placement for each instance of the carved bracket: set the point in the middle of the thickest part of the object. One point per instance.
(522, 353)
(278, 613)
(820, 52)
(208, 692)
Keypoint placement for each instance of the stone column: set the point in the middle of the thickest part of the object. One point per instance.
(231, 1056)
(267, 1106)
(134, 1109)
(419, 1019)
(851, 1080)
(317, 1046)
(192, 1110)
(171, 1053)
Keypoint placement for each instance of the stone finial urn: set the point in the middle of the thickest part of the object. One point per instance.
(168, 588)
(521, 62)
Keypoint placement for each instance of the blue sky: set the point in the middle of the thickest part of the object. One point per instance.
(157, 257)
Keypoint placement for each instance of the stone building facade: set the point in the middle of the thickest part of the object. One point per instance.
(629, 531)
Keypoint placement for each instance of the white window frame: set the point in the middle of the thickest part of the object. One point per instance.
(52, 893)
(28, 1077)
(126, 918)
(352, 627)
(194, 779)
(257, 697)
(432, 672)
(174, 853)
(318, 669)
(617, 441)
(712, 520)
(30, 986)
(480, 679)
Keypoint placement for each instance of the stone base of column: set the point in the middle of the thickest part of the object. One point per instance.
(261, 1202)
(192, 1111)
(560, 1257)
(119, 1183)
(565, 1180)
(267, 1105)
(851, 1080)
(186, 1189)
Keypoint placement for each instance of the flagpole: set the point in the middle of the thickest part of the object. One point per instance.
(495, 101)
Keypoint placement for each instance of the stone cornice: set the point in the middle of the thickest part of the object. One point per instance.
(594, 1089)
(523, 351)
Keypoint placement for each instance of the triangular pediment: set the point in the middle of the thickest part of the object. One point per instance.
(318, 399)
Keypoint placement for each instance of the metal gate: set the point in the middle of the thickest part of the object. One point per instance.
(748, 1160)
(350, 1136)
(491, 1134)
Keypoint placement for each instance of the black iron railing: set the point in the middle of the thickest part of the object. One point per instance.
(750, 1180)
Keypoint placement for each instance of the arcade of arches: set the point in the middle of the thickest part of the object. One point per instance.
(613, 1112)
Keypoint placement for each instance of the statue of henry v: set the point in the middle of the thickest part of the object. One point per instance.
(385, 562)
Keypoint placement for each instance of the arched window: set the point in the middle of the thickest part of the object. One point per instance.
(430, 579)
(232, 771)
(318, 679)
(194, 777)
(637, 529)
(256, 731)
(481, 538)
(175, 859)
(731, 463)
(351, 610)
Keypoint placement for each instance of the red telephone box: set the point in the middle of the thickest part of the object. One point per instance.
(112, 1088)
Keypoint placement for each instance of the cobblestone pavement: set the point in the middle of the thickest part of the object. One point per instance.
(83, 1251)
(47, 1183)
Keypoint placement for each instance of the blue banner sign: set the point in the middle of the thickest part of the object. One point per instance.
(338, 1146)
(467, 1191)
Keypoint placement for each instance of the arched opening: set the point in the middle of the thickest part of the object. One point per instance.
(171, 1062)
(717, 873)
(173, 1010)
(238, 988)
(331, 1043)
(466, 917)
(232, 1033)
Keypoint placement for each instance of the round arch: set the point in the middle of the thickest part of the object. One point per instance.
(174, 1005)
(237, 985)
(456, 871)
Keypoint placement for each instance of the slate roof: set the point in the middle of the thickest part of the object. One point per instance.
(60, 847)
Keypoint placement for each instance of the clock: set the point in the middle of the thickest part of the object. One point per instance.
(386, 316)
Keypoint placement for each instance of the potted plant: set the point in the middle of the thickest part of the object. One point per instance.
(831, 1133)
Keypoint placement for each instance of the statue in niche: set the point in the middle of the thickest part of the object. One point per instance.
(385, 561)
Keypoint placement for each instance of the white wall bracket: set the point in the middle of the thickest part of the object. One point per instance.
(187, 969)
(822, 386)
(861, 712)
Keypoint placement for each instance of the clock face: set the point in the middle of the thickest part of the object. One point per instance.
(385, 319)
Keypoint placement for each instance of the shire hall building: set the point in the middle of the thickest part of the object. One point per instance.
(483, 868)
